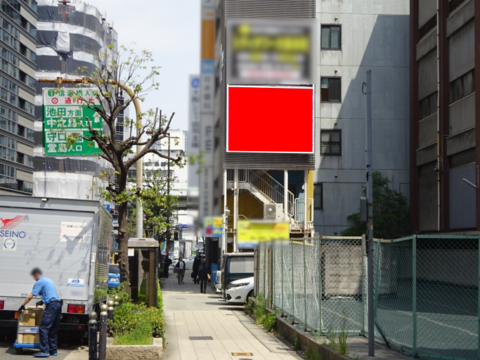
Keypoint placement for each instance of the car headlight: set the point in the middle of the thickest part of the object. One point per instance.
(231, 285)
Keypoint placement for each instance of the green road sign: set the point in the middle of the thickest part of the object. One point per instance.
(65, 116)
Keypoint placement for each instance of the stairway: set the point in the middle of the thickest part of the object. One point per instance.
(263, 186)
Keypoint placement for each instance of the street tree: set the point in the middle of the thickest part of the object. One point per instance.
(391, 213)
(121, 71)
(158, 203)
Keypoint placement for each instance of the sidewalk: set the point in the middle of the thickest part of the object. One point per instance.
(190, 314)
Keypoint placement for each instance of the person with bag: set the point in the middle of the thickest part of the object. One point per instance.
(203, 276)
(196, 265)
(180, 270)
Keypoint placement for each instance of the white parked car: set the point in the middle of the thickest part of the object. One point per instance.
(239, 291)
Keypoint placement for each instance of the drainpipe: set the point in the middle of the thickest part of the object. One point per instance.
(439, 161)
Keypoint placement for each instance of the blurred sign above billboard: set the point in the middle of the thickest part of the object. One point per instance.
(270, 119)
(268, 51)
(252, 233)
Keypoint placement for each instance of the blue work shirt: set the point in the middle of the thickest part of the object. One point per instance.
(46, 289)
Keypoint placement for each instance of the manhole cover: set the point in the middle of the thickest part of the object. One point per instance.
(201, 338)
(242, 354)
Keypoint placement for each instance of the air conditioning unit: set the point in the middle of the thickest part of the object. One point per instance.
(273, 212)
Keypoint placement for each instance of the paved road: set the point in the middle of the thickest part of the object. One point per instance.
(191, 314)
(65, 352)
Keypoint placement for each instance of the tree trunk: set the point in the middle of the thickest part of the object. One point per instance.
(122, 239)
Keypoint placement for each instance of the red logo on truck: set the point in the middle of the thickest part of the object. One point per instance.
(12, 223)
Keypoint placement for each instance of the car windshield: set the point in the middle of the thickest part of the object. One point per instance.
(113, 269)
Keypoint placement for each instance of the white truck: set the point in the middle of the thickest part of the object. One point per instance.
(69, 240)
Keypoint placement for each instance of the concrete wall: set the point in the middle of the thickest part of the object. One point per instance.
(375, 36)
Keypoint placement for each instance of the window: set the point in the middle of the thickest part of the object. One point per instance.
(331, 142)
(331, 89)
(241, 265)
(331, 37)
(428, 106)
(463, 86)
(318, 196)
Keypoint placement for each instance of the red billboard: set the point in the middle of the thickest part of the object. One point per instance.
(270, 119)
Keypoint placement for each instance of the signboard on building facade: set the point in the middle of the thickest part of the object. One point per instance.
(271, 51)
(270, 119)
(213, 227)
(65, 115)
(251, 233)
(207, 85)
(194, 128)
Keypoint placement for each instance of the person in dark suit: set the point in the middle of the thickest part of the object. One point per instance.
(196, 265)
(203, 276)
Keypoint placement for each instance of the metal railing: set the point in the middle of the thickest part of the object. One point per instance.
(265, 184)
(426, 290)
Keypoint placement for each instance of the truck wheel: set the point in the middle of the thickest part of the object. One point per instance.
(18, 350)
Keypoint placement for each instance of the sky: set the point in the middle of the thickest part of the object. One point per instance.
(170, 29)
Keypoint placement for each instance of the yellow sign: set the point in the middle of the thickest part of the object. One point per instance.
(251, 233)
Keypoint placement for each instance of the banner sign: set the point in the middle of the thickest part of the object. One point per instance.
(65, 116)
(252, 233)
(213, 227)
(271, 51)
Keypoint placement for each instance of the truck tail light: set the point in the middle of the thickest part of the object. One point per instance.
(2, 304)
(16, 315)
(76, 309)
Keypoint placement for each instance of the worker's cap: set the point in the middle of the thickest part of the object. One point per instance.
(36, 271)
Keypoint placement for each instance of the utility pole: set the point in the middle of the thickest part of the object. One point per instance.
(369, 148)
(168, 196)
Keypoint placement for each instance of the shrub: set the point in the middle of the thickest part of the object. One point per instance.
(129, 317)
(297, 345)
(141, 335)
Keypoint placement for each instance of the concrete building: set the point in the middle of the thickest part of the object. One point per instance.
(17, 95)
(356, 36)
(71, 34)
(444, 115)
(351, 37)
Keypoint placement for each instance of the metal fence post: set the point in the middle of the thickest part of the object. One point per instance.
(273, 278)
(478, 305)
(414, 291)
(110, 304)
(320, 286)
(364, 255)
(281, 275)
(92, 336)
(377, 275)
(293, 286)
(102, 343)
(304, 285)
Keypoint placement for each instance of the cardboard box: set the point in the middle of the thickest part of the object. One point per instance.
(28, 338)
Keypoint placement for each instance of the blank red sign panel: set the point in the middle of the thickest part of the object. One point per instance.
(270, 119)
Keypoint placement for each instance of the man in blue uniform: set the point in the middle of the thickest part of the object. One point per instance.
(51, 315)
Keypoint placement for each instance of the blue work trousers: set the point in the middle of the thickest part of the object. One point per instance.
(49, 327)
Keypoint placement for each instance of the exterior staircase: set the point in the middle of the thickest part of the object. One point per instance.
(265, 188)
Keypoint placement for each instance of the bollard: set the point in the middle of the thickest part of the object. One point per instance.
(92, 336)
(110, 304)
(116, 300)
(102, 342)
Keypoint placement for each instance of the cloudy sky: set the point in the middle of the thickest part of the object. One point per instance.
(171, 30)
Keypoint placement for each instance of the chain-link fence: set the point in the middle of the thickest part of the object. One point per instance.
(426, 290)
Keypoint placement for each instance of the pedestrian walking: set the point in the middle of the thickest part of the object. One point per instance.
(166, 266)
(51, 315)
(203, 276)
(196, 265)
(180, 269)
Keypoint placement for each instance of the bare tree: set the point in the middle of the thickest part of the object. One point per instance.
(118, 72)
